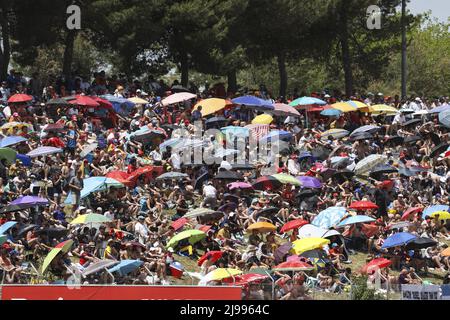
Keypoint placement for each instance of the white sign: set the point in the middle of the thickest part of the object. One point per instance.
(419, 292)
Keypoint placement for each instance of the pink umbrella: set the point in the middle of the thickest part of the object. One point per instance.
(410, 211)
(281, 109)
(239, 185)
(178, 97)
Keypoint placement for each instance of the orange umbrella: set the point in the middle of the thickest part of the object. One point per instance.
(446, 252)
(19, 98)
(262, 227)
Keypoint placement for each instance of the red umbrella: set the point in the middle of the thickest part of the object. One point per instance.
(215, 255)
(411, 211)
(19, 98)
(293, 224)
(363, 205)
(386, 184)
(103, 103)
(375, 264)
(245, 279)
(203, 228)
(120, 176)
(55, 142)
(178, 224)
(85, 101)
(294, 266)
(266, 183)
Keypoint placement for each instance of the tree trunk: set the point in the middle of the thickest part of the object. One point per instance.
(404, 70)
(281, 58)
(346, 56)
(232, 81)
(68, 53)
(5, 54)
(184, 70)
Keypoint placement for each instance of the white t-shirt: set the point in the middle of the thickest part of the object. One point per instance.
(141, 231)
(209, 191)
(176, 161)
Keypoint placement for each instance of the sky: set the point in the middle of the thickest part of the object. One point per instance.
(440, 8)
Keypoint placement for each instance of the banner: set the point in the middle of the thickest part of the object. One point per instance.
(54, 292)
(420, 292)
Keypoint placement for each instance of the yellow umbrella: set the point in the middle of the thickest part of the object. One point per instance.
(262, 227)
(138, 100)
(20, 125)
(62, 247)
(443, 215)
(90, 218)
(306, 244)
(343, 107)
(263, 119)
(211, 106)
(380, 108)
(357, 104)
(446, 252)
(221, 273)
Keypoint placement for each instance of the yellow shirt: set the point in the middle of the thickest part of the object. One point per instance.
(107, 252)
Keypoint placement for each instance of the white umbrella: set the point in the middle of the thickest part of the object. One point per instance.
(368, 163)
(178, 97)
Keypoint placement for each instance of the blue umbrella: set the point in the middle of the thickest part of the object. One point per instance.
(431, 209)
(398, 239)
(174, 142)
(12, 140)
(444, 118)
(235, 131)
(252, 101)
(126, 266)
(331, 113)
(277, 134)
(121, 105)
(355, 220)
(306, 101)
(6, 226)
(329, 217)
(444, 107)
(26, 160)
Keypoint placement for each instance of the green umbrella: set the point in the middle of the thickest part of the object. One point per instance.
(8, 154)
(90, 218)
(193, 235)
(287, 179)
(62, 247)
(3, 239)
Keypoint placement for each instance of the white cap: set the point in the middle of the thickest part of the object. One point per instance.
(99, 209)
(88, 211)
(81, 208)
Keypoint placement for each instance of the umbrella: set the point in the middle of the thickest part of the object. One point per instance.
(120, 105)
(220, 274)
(103, 103)
(355, 220)
(428, 211)
(277, 134)
(380, 109)
(6, 226)
(398, 239)
(231, 197)
(444, 107)
(263, 119)
(120, 176)
(11, 140)
(215, 120)
(228, 175)
(293, 224)
(357, 104)
(394, 140)
(179, 223)
(361, 136)
(97, 184)
(310, 182)
(199, 212)
(369, 129)
(90, 218)
(329, 217)
(98, 266)
(137, 100)
(307, 101)
(262, 227)
(12, 208)
(343, 107)
(3, 239)
(239, 185)
(8, 154)
(126, 266)
(247, 278)
(232, 131)
(58, 102)
(228, 205)
(213, 255)
(399, 225)
(444, 118)
(25, 229)
(287, 179)
(211, 106)
(281, 109)
(412, 139)
(363, 205)
(420, 243)
(335, 133)
(446, 252)
(20, 98)
(200, 181)
(306, 244)
(172, 175)
(441, 215)
(173, 143)
(410, 211)
(43, 151)
(376, 264)
(368, 163)
(293, 266)
(252, 101)
(54, 127)
(56, 233)
(282, 251)
(19, 125)
(177, 98)
(85, 101)
(88, 149)
(267, 212)
(411, 122)
(62, 247)
(345, 174)
(439, 149)
(30, 201)
(383, 169)
(192, 235)
(331, 113)
(266, 183)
